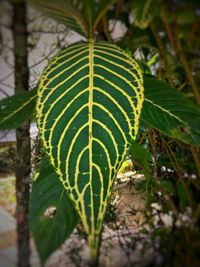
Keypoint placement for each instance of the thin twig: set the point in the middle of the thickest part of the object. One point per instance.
(6, 94)
(163, 52)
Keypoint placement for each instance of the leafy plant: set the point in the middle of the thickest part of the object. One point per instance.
(170, 112)
(50, 208)
(87, 122)
(90, 100)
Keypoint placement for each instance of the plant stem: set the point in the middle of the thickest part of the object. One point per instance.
(94, 244)
(152, 139)
(23, 167)
(177, 46)
(168, 30)
(188, 71)
(106, 28)
(162, 52)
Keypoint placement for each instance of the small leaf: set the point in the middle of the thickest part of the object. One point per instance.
(16, 109)
(144, 11)
(65, 12)
(140, 153)
(48, 195)
(168, 186)
(169, 111)
(142, 156)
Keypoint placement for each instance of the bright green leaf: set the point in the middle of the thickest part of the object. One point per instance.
(169, 111)
(50, 231)
(153, 60)
(16, 109)
(89, 101)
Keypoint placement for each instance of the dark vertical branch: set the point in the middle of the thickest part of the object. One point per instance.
(163, 52)
(177, 46)
(152, 140)
(22, 133)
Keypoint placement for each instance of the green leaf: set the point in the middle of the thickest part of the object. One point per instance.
(65, 12)
(17, 109)
(49, 232)
(89, 101)
(170, 112)
(144, 11)
(168, 186)
(140, 155)
(183, 193)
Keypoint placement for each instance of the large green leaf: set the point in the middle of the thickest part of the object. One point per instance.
(169, 111)
(144, 11)
(65, 12)
(50, 231)
(17, 109)
(89, 101)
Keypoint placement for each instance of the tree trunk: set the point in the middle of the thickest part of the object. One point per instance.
(22, 134)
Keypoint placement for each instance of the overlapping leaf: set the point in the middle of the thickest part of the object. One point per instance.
(144, 11)
(50, 230)
(65, 12)
(82, 16)
(16, 109)
(170, 111)
(88, 108)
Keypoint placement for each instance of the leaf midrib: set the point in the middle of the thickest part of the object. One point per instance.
(20, 108)
(164, 110)
(90, 119)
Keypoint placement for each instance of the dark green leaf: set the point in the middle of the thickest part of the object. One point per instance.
(17, 109)
(142, 156)
(168, 186)
(49, 232)
(169, 111)
(139, 153)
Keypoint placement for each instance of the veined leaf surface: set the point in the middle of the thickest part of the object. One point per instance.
(169, 111)
(65, 12)
(89, 101)
(16, 109)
